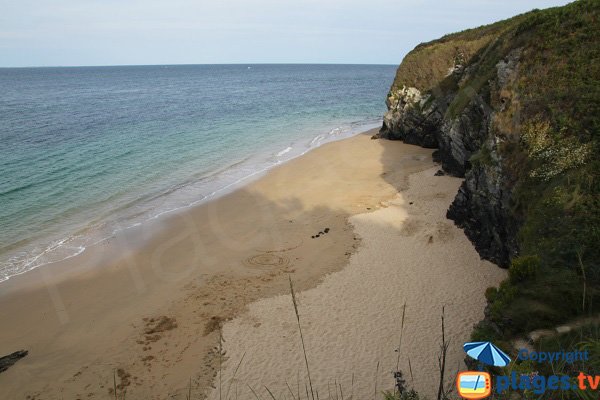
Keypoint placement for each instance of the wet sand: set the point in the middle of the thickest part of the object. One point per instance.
(144, 306)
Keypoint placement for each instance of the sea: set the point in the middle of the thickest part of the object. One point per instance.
(89, 151)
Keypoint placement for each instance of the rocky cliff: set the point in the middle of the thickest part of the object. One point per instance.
(478, 97)
(466, 137)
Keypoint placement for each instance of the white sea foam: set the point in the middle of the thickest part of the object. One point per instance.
(172, 199)
(286, 150)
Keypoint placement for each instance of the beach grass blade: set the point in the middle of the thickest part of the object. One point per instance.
(376, 374)
(290, 389)
(233, 377)
(270, 393)
(301, 337)
(254, 393)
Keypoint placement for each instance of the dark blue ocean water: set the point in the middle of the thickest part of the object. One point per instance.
(95, 149)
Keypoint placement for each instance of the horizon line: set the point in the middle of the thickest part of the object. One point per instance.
(192, 64)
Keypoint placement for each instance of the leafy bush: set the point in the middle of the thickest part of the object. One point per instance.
(523, 268)
(482, 157)
(491, 294)
(407, 395)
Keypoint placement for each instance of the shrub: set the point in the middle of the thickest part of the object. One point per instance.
(482, 157)
(407, 395)
(523, 268)
(491, 294)
(484, 332)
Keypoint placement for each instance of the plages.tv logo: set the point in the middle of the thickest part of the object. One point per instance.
(474, 385)
(477, 384)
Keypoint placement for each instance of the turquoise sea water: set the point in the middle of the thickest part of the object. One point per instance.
(98, 149)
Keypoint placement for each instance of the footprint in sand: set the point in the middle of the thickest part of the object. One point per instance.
(411, 227)
(442, 232)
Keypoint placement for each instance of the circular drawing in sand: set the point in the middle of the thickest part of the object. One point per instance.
(268, 260)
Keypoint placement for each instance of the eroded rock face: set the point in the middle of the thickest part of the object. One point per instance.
(468, 146)
(481, 209)
(407, 118)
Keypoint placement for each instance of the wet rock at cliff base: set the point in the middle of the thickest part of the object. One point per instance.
(9, 360)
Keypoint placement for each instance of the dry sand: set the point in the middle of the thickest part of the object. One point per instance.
(145, 304)
(410, 253)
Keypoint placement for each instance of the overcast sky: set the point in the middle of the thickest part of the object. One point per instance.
(115, 32)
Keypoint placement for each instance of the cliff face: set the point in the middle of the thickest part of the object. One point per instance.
(472, 95)
(467, 145)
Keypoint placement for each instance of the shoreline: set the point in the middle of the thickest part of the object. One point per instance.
(84, 234)
(147, 303)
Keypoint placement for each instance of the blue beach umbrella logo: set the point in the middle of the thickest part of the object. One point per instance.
(487, 353)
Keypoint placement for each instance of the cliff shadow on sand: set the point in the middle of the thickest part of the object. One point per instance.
(512, 107)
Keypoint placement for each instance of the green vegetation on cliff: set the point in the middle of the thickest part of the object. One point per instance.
(537, 79)
(556, 113)
(426, 66)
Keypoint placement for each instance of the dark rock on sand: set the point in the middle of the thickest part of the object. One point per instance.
(8, 361)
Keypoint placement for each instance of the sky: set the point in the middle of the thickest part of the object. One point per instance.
(143, 32)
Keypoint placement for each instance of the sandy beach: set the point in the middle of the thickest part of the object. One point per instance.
(409, 254)
(359, 225)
